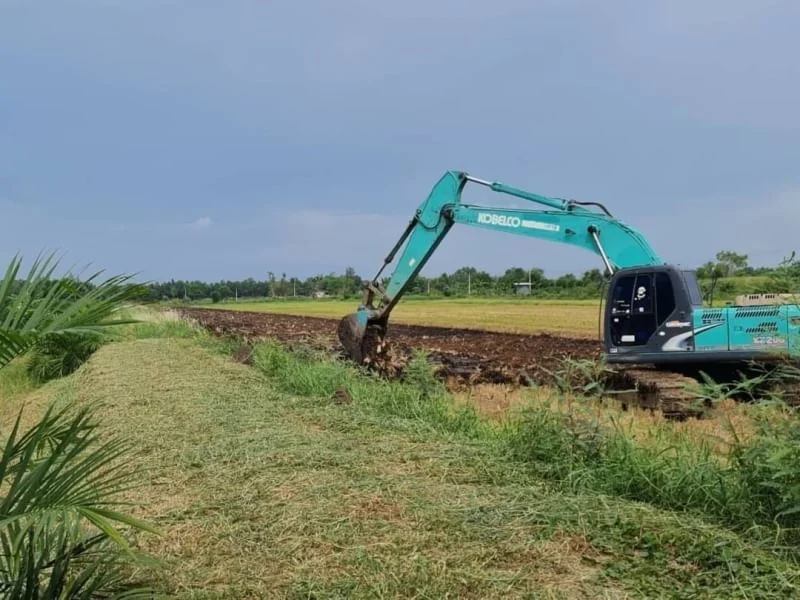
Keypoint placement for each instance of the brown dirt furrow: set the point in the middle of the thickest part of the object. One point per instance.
(471, 355)
(467, 357)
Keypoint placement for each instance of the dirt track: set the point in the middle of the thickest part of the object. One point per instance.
(464, 354)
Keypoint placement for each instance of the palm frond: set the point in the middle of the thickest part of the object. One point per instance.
(59, 532)
(60, 535)
(41, 305)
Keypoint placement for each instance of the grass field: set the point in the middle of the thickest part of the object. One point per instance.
(566, 317)
(265, 488)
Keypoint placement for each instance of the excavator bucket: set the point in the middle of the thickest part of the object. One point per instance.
(361, 338)
(351, 333)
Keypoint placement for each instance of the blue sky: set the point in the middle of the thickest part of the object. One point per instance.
(228, 139)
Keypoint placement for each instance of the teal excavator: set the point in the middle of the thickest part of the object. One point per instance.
(653, 316)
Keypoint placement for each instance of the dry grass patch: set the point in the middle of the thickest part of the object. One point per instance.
(717, 429)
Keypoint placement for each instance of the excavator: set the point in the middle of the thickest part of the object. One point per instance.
(657, 335)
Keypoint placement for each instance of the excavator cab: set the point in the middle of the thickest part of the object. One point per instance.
(655, 315)
(649, 314)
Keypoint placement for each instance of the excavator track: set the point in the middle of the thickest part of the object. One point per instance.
(673, 394)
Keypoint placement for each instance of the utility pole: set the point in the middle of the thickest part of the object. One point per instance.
(469, 283)
(429, 287)
(236, 292)
(294, 287)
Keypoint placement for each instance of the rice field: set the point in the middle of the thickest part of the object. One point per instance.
(575, 318)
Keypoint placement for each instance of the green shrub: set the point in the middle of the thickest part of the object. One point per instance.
(59, 355)
(41, 306)
(421, 375)
(768, 468)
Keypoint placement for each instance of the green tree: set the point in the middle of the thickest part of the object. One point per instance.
(592, 278)
(730, 262)
(224, 291)
(511, 276)
(785, 279)
(566, 281)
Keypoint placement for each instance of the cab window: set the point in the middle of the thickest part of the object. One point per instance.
(623, 293)
(665, 297)
(642, 301)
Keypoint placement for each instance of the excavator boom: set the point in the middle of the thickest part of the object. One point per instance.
(586, 225)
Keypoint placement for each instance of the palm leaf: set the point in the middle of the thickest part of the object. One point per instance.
(59, 532)
(41, 305)
(58, 529)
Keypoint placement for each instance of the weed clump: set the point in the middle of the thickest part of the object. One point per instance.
(556, 445)
(583, 377)
(755, 483)
(419, 400)
(768, 468)
(420, 374)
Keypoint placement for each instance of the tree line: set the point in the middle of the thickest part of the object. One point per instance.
(729, 273)
(462, 282)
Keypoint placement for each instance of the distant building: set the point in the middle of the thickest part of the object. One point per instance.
(319, 294)
(523, 288)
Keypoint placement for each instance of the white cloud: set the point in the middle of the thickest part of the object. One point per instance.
(201, 223)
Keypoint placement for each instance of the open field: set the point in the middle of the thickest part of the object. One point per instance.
(577, 318)
(265, 487)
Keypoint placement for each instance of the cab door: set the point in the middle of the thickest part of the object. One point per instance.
(632, 317)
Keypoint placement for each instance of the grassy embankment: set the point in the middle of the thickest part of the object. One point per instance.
(265, 487)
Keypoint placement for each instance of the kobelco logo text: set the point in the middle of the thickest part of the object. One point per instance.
(512, 221)
(502, 220)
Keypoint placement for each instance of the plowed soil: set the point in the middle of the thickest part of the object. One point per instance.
(464, 355)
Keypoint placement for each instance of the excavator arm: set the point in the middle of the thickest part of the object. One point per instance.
(587, 225)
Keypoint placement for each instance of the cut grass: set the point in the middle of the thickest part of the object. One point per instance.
(15, 380)
(580, 445)
(266, 488)
(563, 317)
(266, 494)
